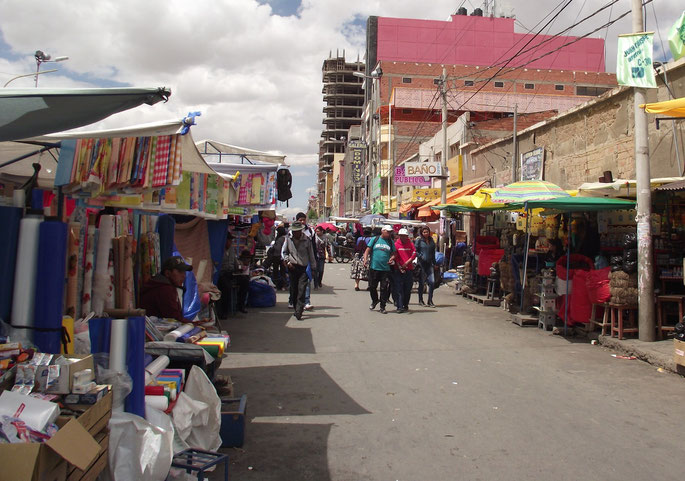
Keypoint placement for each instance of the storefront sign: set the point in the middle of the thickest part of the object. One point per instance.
(532, 164)
(425, 195)
(423, 169)
(356, 148)
(402, 179)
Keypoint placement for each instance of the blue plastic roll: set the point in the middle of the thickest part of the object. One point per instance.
(99, 329)
(135, 363)
(217, 230)
(50, 276)
(184, 337)
(9, 220)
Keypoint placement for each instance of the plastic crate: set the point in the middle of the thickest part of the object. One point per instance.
(233, 421)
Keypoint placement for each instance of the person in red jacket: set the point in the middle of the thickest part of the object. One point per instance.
(160, 296)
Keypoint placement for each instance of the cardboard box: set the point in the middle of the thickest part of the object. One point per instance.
(65, 381)
(74, 444)
(679, 352)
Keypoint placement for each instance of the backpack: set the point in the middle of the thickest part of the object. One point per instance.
(284, 180)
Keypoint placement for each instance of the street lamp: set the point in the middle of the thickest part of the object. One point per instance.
(42, 57)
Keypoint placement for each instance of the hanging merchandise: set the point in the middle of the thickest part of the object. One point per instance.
(10, 219)
(25, 275)
(103, 288)
(72, 269)
(284, 183)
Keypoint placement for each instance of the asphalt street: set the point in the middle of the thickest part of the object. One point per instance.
(456, 392)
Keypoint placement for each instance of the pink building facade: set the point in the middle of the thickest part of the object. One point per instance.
(476, 40)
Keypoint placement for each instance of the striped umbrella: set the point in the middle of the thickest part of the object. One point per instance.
(527, 190)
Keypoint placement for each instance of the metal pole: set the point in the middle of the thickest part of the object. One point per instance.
(391, 154)
(568, 268)
(443, 159)
(525, 259)
(644, 205)
(515, 148)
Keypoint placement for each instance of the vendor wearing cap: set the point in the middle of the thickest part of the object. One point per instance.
(162, 295)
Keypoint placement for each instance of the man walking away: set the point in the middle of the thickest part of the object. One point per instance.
(297, 254)
(425, 252)
(321, 251)
(380, 254)
(404, 272)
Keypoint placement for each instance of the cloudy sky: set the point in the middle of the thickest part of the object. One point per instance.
(252, 67)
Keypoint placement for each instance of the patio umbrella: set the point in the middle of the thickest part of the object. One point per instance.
(327, 226)
(369, 219)
(526, 190)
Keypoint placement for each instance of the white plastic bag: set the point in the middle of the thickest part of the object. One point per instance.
(197, 413)
(140, 449)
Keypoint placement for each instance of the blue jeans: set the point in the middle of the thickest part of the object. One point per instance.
(402, 284)
(318, 277)
(427, 277)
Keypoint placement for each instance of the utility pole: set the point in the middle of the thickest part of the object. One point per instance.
(515, 148)
(645, 280)
(443, 157)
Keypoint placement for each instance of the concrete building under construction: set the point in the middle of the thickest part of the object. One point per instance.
(344, 100)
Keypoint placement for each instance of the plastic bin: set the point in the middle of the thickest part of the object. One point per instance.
(233, 421)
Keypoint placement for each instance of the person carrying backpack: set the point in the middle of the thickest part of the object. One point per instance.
(380, 255)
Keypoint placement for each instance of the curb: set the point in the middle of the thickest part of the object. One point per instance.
(654, 358)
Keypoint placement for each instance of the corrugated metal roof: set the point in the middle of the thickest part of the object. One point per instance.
(673, 186)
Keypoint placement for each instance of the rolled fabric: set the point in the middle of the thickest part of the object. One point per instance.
(212, 349)
(50, 275)
(102, 280)
(154, 390)
(184, 338)
(71, 298)
(157, 402)
(176, 333)
(89, 264)
(128, 273)
(10, 219)
(153, 369)
(25, 274)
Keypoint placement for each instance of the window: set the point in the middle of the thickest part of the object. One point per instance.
(436, 81)
(406, 80)
(499, 84)
(407, 111)
(590, 91)
(529, 86)
(558, 87)
(468, 83)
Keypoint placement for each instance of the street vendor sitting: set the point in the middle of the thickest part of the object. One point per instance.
(162, 295)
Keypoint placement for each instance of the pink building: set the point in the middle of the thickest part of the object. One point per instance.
(477, 40)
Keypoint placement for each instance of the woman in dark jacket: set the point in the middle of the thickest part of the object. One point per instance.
(425, 255)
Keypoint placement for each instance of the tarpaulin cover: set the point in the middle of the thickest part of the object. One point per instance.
(9, 220)
(450, 198)
(217, 230)
(165, 227)
(671, 108)
(52, 248)
(580, 307)
(135, 364)
(486, 258)
(576, 259)
(598, 286)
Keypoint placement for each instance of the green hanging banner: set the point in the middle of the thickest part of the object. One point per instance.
(634, 60)
(676, 37)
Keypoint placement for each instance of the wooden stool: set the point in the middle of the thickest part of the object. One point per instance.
(493, 288)
(661, 318)
(617, 319)
(605, 324)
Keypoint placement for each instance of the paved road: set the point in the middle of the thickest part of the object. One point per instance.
(450, 393)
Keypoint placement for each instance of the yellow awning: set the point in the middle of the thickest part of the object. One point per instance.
(672, 108)
(425, 211)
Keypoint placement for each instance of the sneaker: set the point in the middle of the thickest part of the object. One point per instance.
(421, 303)
(308, 307)
(373, 306)
(290, 306)
(430, 304)
(383, 311)
(400, 310)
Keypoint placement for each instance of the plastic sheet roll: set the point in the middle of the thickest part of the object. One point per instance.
(128, 273)
(71, 297)
(176, 333)
(154, 391)
(25, 275)
(99, 330)
(157, 402)
(50, 275)
(10, 218)
(102, 280)
(135, 358)
(212, 349)
(117, 355)
(155, 367)
(89, 263)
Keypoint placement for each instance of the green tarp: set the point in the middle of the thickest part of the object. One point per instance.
(579, 204)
